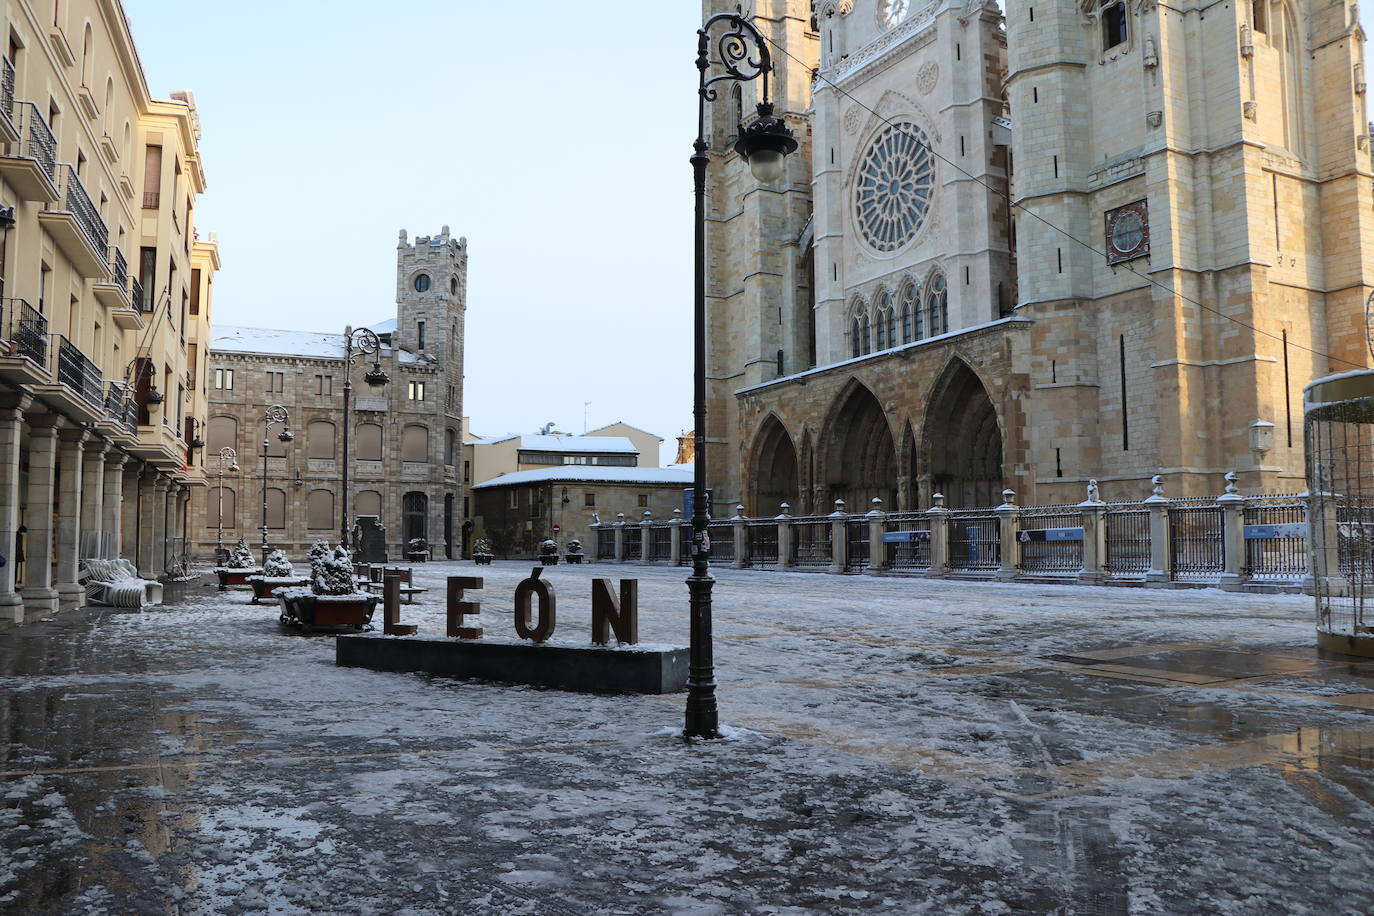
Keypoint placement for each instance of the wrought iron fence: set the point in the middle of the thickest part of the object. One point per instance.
(1274, 547)
(605, 543)
(912, 552)
(1355, 541)
(1128, 541)
(722, 535)
(634, 540)
(975, 541)
(857, 550)
(76, 201)
(136, 295)
(76, 370)
(811, 542)
(37, 140)
(763, 543)
(661, 542)
(1040, 553)
(25, 331)
(1199, 547)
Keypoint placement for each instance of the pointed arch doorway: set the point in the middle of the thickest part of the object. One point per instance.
(860, 460)
(775, 469)
(963, 441)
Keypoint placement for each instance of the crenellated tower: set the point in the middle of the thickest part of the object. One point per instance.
(431, 305)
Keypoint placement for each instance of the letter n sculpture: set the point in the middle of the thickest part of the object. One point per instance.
(621, 617)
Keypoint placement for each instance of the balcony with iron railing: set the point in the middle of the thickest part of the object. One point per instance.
(78, 372)
(119, 267)
(77, 227)
(24, 332)
(120, 407)
(152, 200)
(113, 293)
(7, 124)
(30, 166)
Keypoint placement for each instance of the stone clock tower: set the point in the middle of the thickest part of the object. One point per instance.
(431, 304)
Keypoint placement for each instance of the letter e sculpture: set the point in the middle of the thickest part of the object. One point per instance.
(458, 608)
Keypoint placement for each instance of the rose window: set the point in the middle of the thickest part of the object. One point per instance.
(894, 186)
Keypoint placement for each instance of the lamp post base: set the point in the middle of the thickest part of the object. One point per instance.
(703, 717)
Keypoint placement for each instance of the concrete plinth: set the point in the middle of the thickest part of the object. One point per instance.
(630, 669)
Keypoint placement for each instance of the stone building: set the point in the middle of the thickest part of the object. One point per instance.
(106, 305)
(405, 442)
(1094, 239)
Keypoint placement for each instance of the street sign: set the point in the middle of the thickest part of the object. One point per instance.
(557, 528)
(1272, 532)
(1051, 534)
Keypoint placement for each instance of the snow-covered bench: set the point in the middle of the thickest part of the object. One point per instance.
(116, 583)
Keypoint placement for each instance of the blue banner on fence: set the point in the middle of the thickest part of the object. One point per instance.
(1272, 532)
(1051, 534)
(905, 537)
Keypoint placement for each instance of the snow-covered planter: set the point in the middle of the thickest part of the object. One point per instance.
(548, 552)
(481, 552)
(241, 565)
(303, 608)
(417, 550)
(574, 553)
(265, 587)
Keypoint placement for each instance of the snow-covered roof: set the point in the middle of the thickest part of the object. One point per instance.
(228, 338)
(589, 444)
(383, 327)
(680, 475)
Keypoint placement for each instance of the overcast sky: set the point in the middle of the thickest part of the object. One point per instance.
(555, 136)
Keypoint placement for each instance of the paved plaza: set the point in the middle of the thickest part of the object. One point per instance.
(895, 745)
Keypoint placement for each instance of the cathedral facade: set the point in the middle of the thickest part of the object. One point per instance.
(1089, 239)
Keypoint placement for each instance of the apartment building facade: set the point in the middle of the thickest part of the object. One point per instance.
(105, 309)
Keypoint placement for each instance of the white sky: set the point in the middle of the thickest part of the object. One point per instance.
(554, 136)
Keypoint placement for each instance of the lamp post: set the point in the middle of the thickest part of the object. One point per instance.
(228, 461)
(742, 55)
(357, 342)
(276, 414)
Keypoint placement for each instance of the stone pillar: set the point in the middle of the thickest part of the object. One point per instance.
(146, 524)
(12, 407)
(171, 523)
(158, 548)
(620, 537)
(39, 596)
(1323, 554)
(1008, 531)
(838, 518)
(1161, 546)
(784, 538)
(939, 536)
(93, 500)
(1232, 534)
(593, 555)
(131, 515)
(1094, 512)
(741, 539)
(675, 551)
(877, 527)
(112, 503)
(71, 444)
(646, 537)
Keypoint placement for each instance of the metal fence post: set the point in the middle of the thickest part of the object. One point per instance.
(1094, 537)
(1232, 534)
(742, 545)
(784, 538)
(1008, 529)
(838, 539)
(939, 536)
(620, 537)
(1161, 570)
(877, 527)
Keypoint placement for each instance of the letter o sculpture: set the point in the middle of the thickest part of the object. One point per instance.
(535, 587)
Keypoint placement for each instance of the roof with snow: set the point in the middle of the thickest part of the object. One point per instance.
(234, 339)
(679, 475)
(600, 444)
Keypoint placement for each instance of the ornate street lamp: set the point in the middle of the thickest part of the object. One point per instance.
(764, 143)
(275, 415)
(228, 461)
(357, 342)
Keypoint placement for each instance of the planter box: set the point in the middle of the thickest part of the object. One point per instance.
(483, 559)
(551, 560)
(309, 611)
(235, 577)
(263, 586)
(418, 556)
(573, 558)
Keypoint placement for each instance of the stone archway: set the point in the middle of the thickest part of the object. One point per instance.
(775, 469)
(963, 440)
(860, 459)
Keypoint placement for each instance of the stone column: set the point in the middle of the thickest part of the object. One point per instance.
(939, 536)
(1094, 512)
(1323, 540)
(39, 596)
(1008, 530)
(838, 518)
(71, 444)
(12, 406)
(741, 527)
(157, 547)
(146, 523)
(1161, 547)
(675, 552)
(620, 537)
(1232, 535)
(784, 538)
(646, 538)
(173, 522)
(877, 527)
(112, 503)
(91, 542)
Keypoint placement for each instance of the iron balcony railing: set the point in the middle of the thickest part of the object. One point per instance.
(76, 370)
(7, 89)
(136, 295)
(120, 406)
(38, 142)
(25, 331)
(119, 267)
(152, 200)
(76, 201)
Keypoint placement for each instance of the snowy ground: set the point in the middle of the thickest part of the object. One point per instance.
(895, 745)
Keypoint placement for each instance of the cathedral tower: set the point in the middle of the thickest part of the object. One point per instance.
(431, 305)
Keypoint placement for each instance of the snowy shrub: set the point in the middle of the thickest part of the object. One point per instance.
(548, 546)
(242, 557)
(482, 547)
(574, 546)
(277, 565)
(334, 576)
(318, 551)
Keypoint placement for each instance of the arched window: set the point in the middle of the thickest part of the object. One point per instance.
(883, 321)
(450, 447)
(128, 139)
(229, 503)
(1292, 44)
(736, 110)
(858, 330)
(937, 304)
(414, 512)
(856, 340)
(369, 442)
(867, 340)
(87, 56)
(911, 313)
(1113, 24)
(415, 443)
(109, 104)
(221, 432)
(319, 510)
(368, 502)
(1259, 15)
(276, 508)
(320, 439)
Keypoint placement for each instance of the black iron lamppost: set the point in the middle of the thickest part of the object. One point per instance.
(764, 143)
(276, 414)
(357, 342)
(228, 461)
